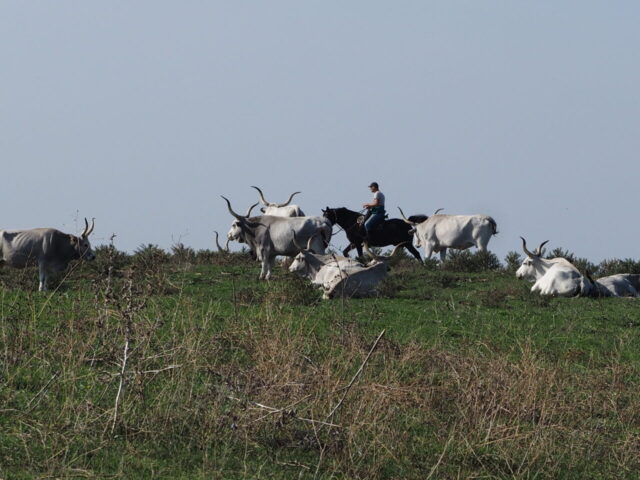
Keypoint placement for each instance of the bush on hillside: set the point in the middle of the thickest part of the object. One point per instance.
(580, 263)
(614, 266)
(465, 261)
(513, 260)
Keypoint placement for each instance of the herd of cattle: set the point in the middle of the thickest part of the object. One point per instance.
(284, 230)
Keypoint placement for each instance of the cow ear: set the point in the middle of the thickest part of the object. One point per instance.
(74, 239)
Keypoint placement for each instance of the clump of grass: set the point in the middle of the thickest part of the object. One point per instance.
(292, 290)
(494, 298)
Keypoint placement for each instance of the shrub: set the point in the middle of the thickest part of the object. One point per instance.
(513, 260)
(109, 257)
(581, 264)
(182, 254)
(613, 266)
(465, 261)
(150, 255)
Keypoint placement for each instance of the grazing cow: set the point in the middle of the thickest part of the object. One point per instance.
(269, 236)
(552, 276)
(48, 248)
(439, 232)
(280, 209)
(390, 232)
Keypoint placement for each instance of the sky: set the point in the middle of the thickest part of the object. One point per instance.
(141, 114)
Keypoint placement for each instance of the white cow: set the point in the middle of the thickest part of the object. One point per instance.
(360, 282)
(48, 248)
(620, 285)
(280, 209)
(439, 232)
(269, 236)
(552, 276)
(321, 268)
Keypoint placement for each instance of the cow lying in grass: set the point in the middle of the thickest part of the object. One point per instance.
(339, 275)
(559, 277)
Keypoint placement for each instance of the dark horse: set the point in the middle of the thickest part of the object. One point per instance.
(390, 232)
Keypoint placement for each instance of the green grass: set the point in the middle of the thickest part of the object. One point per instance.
(230, 377)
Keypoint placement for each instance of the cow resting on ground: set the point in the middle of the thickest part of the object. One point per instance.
(48, 248)
(361, 282)
(280, 209)
(341, 276)
(439, 232)
(552, 276)
(269, 236)
(619, 285)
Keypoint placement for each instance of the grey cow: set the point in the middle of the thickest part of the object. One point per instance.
(269, 236)
(50, 249)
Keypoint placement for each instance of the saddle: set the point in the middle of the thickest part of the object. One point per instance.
(363, 218)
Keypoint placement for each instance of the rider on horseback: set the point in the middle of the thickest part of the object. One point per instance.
(376, 213)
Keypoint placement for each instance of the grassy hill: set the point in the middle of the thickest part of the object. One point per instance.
(186, 366)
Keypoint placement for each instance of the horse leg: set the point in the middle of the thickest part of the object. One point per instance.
(413, 251)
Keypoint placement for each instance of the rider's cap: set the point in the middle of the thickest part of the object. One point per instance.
(374, 184)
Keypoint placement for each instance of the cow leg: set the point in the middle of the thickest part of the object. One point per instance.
(346, 251)
(42, 274)
(264, 269)
(270, 263)
(427, 253)
(443, 254)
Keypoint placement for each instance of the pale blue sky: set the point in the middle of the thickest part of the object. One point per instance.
(143, 113)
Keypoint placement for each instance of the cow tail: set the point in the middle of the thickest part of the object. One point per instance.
(494, 225)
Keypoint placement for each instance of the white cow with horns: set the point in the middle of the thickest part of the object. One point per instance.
(269, 236)
(552, 276)
(48, 248)
(280, 209)
(439, 232)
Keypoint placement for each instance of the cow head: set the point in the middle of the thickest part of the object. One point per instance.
(530, 267)
(81, 244)
(237, 232)
(413, 226)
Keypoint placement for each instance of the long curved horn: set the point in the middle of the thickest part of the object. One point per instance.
(365, 247)
(262, 197)
(397, 249)
(287, 202)
(406, 220)
(295, 241)
(251, 208)
(86, 227)
(524, 247)
(438, 210)
(239, 217)
(220, 249)
(93, 224)
(539, 250)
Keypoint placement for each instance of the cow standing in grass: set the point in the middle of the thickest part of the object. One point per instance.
(269, 236)
(440, 232)
(48, 248)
